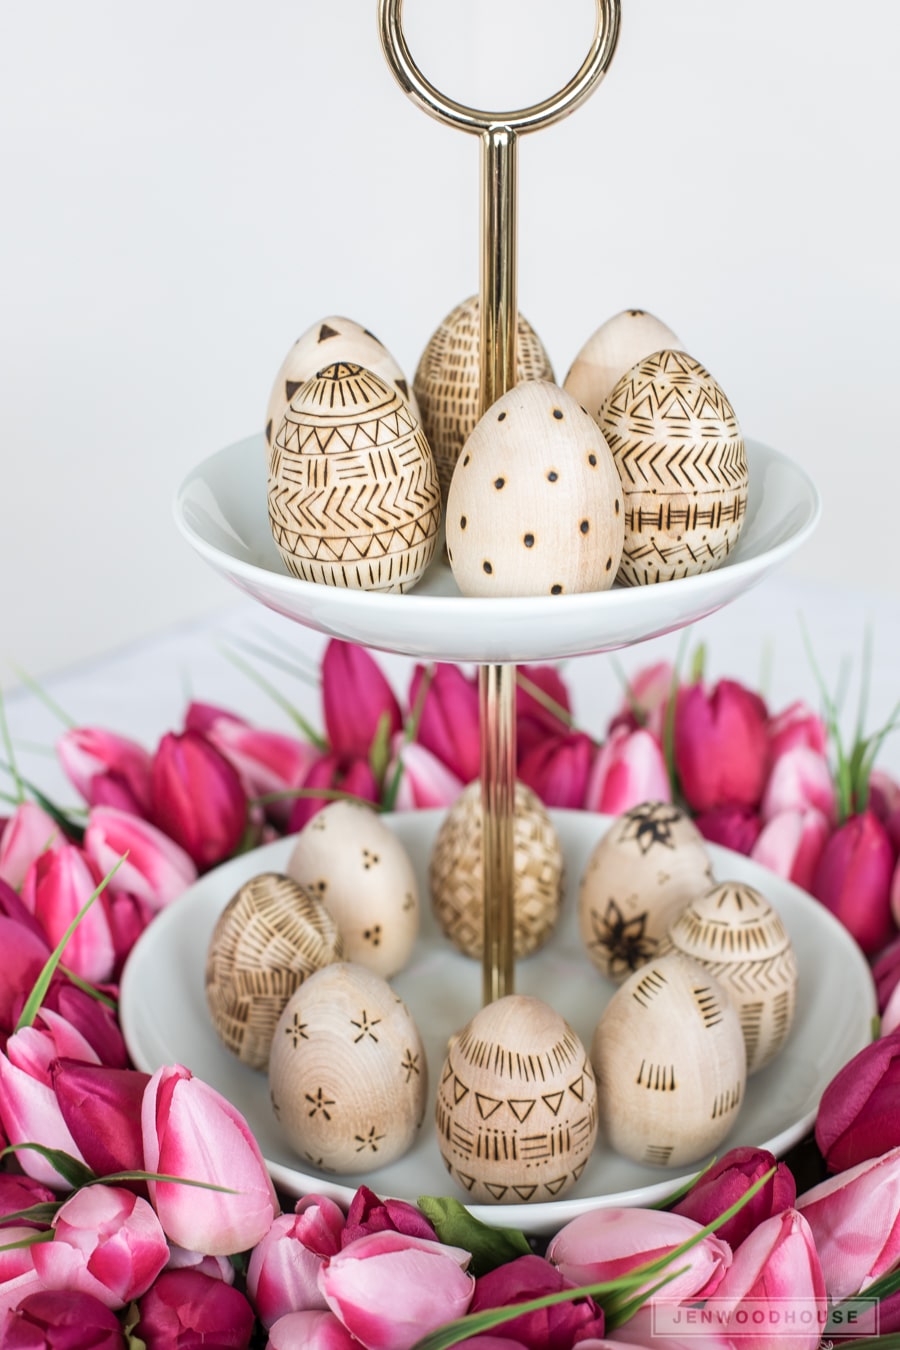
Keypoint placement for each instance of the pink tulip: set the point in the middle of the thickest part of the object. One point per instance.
(895, 894)
(859, 1114)
(102, 1109)
(61, 1319)
(721, 745)
(542, 711)
(726, 1181)
(197, 798)
(284, 1267)
(106, 769)
(191, 1131)
(855, 1221)
(791, 843)
(56, 887)
(799, 779)
(890, 1017)
(794, 726)
(16, 1262)
(357, 701)
(331, 773)
(884, 800)
(28, 833)
(646, 701)
(449, 721)
(424, 781)
(528, 1277)
(313, 1331)
(156, 869)
(730, 826)
(24, 957)
(557, 769)
(267, 761)
(17, 1192)
(216, 1267)
(628, 769)
(129, 916)
(186, 1310)
(368, 1214)
(886, 973)
(93, 1020)
(853, 880)
(389, 1290)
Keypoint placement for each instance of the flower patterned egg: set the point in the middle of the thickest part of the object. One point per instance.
(650, 863)
(447, 380)
(735, 933)
(516, 1109)
(358, 869)
(330, 340)
(269, 938)
(671, 1067)
(456, 875)
(535, 504)
(681, 458)
(616, 346)
(353, 492)
(347, 1072)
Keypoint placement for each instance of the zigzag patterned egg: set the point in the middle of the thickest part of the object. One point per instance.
(681, 459)
(353, 492)
(616, 346)
(734, 932)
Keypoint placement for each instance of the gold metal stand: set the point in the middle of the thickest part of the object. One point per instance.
(497, 683)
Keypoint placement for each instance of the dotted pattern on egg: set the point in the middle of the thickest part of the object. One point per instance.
(353, 493)
(447, 380)
(680, 455)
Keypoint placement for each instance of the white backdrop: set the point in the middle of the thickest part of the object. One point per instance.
(188, 185)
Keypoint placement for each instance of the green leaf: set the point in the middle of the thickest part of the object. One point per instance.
(880, 1288)
(308, 731)
(70, 828)
(40, 692)
(455, 1225)
(842, 777)
(45, 1235)
(69, 1168)
(888, 1342)
(380, 749)
(42, 1212)
(114, 1177)
(698, 665)
(90, 989)
(543, 698)
(682, 1191)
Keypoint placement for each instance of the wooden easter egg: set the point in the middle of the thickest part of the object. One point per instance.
(680, 455)
(535, 504)
(641, 874)
(516, 1109)
(734, 932)
(671, 1067)
(616, 346)
(447, 380)
(456, 873)
(330, 340)
(357, 867)
(353, 492)
(347, 1071)
(268, 939)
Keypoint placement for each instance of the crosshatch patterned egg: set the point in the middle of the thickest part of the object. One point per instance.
(736, 934)
(680, 454)
(616, 346)
(456, 873)
(347, 1071)
(324, 343)
(269, 938)
(535, 504)
(447, 380)
(516, 1109)
(670, 1062)
(353, 492)
(358, 869)
(641, 874)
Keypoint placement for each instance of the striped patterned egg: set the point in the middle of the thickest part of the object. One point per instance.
(616, 346)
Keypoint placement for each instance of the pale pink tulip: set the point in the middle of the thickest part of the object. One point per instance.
(800, 778)
(197, 798)
(796, 725)
(316, 1331)
(216, 1267)
(855, 1221)
(628, 769)
(448, 724)
(853, 880)
(283, 1271)
(424, 781)
(28, 833)
(791, 843)
(107, 769)
(15, 1261)
(721, 745)
(57, 885)
(107, 1242)
(156, 869)
(646, 700)
(188, 1310)
(267, 761)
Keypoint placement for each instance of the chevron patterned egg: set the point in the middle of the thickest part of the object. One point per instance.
(353, 492)
(680, 455)
(616, 346)
(735, 933)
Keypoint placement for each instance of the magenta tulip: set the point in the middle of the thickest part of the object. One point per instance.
(884, 800)
(284, 1267)
(730, 826)
(627, 770)
(28, 833)
(853, 880)
(25, 954)
(557, 769)
(895, 894)
(543, 707)
(197, 798)
(369, 1214)
(93, 1020)
(721, 745)
(358, 704)
(726, 1181)
(855, 1221)
(155, 868)
(794, 726)
(102, 1108)
(186, 1310)
(106, 769)
(18, 1192)
(449, 720)
(425, 782)
(859, 1114)
(886, 973)
(312, 1331)
(57, 885)
(528, 1277)
(56, 1319)
(791, 843)
(268, 762)
(329, 774)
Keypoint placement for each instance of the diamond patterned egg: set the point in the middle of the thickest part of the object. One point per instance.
(535, 504)
(616, 346)
(353, 492)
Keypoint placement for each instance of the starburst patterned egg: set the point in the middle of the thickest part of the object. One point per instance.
(616, 346)
(516, 1109)
(650, 863)
(681, 459)
(347, 1071)
(353, 492)
(736, 934)
(456, 873)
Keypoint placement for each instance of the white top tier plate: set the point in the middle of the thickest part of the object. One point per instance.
(221, 509)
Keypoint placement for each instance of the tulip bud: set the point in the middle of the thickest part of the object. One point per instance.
(859, 1114)
(197, 798)
(424, 781)
(853, 880)
(314, 1331)
(106, 768)
(800, 778)
(266, 761)
(449, 720)
(284, 1267)
(155, 868)
(330, 773)
(723, 1184)
(357, 700)
(59, 884)
(647, 699)
(627, 770)
(94, 1021)
(796, 725)
(554, 1328)
(557, 769)
(721, 745)
(106, 1242)
(61, 1319)
(543, 707)
(190, 1310)
(731, 826)
(853, 1248)
(102, 1108)
(24, 957)
(791, 843)
(28, 833)
(368, 1214)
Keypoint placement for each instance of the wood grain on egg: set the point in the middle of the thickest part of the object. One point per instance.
(616, 346)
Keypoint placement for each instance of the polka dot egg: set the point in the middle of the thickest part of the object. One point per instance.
(535, 504)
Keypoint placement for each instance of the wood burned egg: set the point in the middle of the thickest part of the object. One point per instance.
(269, 938)
(734, 933)
(353, 492)
(456, 875)
(347, 1073)
(616, 346)
(671, 1068)
(535, 504)
(680, 454)
(516, 1109)
(650, 863)
(447, 380)
(332, 339)
(358, 869)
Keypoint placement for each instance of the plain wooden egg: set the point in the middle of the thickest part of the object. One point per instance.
(641, 874)
(357, 867)
(616, 346)
(347, 1071)
(516, 1109)
(535, 504)
(670, 1062)
(269, 938)
(734, 932)
(447, 380)
(680, 455)
(456, 873)
(353, 493)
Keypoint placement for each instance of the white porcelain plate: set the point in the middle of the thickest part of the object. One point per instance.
(221, 509)
(165, 1021)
